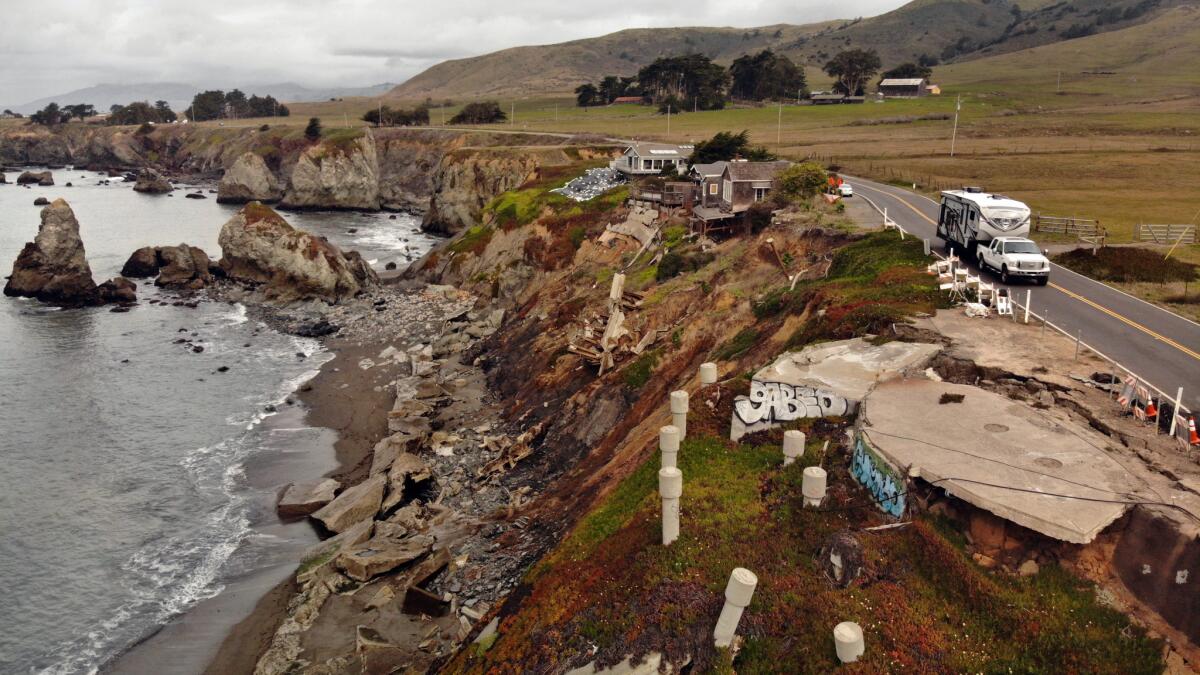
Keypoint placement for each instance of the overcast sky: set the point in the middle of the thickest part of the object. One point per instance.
(49, 47)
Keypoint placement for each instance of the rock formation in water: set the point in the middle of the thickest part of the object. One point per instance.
(248, 180)
(336, 175)
(181, 266)
(151, 181)
(53, 267)
(464, 185)
(43, 178)
(259, 247)
(119, 290)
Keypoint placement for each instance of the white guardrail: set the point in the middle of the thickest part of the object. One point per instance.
(1181, 414)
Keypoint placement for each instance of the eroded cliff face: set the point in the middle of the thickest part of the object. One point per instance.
(467, 180)
(340, 175)
(452, 173)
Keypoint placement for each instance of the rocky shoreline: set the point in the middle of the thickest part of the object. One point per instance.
(402, 387)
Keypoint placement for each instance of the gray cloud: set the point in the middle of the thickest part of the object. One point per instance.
(53, 46)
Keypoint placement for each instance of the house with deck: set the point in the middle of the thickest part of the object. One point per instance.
(707, 178)
(741, 185)
(649, 159)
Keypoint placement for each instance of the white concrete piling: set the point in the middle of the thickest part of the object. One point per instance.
(668, 444)
(848, 640)
(813, 486)
(679, 410)
(670, 488)
(708, 374)
(738, 592)
(793, 446)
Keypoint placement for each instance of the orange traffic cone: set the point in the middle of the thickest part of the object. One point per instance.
(1151, 411)
(1192, 437)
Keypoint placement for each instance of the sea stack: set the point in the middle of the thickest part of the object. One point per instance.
(259, 247)
(248, 180)
(53, 267)
(153, 182)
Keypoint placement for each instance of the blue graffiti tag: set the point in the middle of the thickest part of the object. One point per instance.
(878, 478)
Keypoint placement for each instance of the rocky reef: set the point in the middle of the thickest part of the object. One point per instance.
(285, 264)
(181, 266)
(53, 267)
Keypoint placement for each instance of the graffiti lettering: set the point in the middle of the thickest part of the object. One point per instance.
(779, 402)
(878, 478)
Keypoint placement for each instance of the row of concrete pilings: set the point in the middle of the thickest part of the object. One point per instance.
(847, 636)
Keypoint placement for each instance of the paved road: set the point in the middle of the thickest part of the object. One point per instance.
(1159, 346)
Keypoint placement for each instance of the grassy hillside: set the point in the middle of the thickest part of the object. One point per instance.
(1122, 147)
(949, 30)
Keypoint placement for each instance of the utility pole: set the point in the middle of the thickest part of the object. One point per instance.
(779, 125)
(512, 118)
(954, 136)
(668, 120)
(1058, 87)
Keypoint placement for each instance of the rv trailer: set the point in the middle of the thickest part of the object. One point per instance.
(971, 216)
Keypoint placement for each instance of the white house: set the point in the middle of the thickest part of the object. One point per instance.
(647, 159)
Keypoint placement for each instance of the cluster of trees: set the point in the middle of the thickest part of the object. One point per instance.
(726, 145)
(485, 112)
(141, 112)
(610, 89)
(217, 104)
(54, 114)
(766, 76)
(907, 70)
(10, 113)
(384, 116)
(674, 83)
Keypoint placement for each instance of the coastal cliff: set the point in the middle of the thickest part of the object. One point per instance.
(467, 181)
(450, 175)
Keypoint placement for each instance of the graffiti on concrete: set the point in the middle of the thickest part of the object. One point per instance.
(878, 477)
(780, 402)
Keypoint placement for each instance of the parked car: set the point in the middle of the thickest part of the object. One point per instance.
(845, 190)
(1014, 258)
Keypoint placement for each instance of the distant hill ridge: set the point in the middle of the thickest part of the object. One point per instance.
(946, 30)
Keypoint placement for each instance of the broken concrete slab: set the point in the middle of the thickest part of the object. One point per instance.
(322, 555)
(406, 468)
(386, 450)
(1000, 455)
(823, 380)
(359, 503)
(417, 600)
(380, 555)
(301, 499)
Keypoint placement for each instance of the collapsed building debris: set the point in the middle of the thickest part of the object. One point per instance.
(1003, 456)
(825, 380)
(616, 339)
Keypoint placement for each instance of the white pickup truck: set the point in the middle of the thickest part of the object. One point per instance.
(1014, 258)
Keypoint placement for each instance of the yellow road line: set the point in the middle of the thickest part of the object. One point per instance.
(1090, 303)
(1129, 322)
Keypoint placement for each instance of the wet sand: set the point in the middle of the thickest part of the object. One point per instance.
(342, 399)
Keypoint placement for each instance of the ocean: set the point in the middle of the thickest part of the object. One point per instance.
(124, 494)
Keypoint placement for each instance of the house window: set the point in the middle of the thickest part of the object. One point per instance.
(760, 193)
(712, 189)
(727, 192)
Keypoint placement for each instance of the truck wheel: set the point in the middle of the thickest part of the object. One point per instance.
(1004, 275)
(1042, 281)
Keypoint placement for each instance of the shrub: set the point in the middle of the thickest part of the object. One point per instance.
(1126, 264)
(739, 344)
(803, 180)
(674, 263)
(313, 131)
(637, 374)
